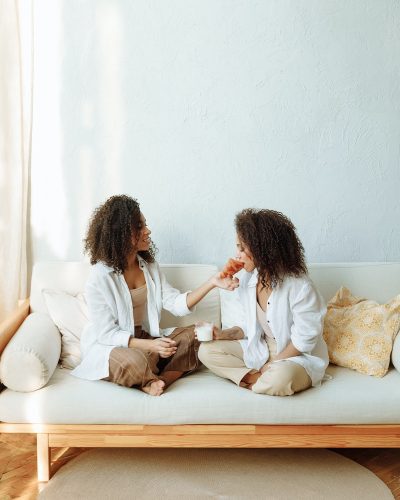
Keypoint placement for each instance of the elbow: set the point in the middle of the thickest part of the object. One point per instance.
(304, 344)
(181, 305)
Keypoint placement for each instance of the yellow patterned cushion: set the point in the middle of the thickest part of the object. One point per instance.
(360, 333)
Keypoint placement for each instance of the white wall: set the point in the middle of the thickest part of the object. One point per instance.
(201, 108)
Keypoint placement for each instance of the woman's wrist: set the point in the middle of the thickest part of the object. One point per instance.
(139, 343)
(211, 282)
(194, 297)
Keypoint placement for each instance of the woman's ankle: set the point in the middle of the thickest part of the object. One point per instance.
(251, 378)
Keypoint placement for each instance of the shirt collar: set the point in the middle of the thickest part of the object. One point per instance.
(253, 279)
(142, 262)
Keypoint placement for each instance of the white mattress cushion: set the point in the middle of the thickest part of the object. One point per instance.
(202, 397)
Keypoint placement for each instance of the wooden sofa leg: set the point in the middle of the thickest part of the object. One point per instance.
(43, 457)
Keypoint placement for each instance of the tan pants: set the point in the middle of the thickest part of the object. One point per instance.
(136, 367)
(225, 358)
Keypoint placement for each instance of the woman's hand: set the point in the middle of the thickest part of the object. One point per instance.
(229, 283)
(163, 346)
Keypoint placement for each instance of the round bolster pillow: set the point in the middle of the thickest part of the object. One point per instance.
(31, 356)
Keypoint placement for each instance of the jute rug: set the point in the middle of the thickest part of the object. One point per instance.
(276, 474)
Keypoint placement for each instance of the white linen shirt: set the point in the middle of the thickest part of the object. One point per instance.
(111, 315)
(295, 312)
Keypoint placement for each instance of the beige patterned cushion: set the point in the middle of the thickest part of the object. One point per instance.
(360, 332)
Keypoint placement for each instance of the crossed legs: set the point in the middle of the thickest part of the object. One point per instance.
(225, 358)
(147, 371)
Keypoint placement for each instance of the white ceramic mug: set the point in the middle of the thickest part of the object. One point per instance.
(204, 331)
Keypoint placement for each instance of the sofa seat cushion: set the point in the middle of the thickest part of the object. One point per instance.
(349, 398)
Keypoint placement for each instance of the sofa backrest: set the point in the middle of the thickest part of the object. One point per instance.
(71, 277)
(379, 281)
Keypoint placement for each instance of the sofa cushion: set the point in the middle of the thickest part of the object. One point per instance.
(204, 398)
(359, 332)
(70, 315)
(378, 281)
(31, 356)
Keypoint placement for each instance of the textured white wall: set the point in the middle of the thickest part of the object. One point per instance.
(201, 108)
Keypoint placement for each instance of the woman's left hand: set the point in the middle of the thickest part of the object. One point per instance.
(229, 283)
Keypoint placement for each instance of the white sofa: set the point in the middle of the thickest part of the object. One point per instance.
(200, 410)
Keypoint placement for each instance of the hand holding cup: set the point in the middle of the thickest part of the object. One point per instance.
(204, 331)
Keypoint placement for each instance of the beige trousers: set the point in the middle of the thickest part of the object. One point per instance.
(225, 358)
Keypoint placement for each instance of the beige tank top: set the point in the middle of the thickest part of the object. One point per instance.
(139, 302)
(261, 317)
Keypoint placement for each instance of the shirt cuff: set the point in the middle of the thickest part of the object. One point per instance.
(181, 307)
(122, 339)
(301, 345)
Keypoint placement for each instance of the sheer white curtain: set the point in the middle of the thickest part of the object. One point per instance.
(16, 69)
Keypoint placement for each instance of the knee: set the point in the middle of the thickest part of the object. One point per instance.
(130, 358)
(274, 384)
(281, 388)
(125, 366)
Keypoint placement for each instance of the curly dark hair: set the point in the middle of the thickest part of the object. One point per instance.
(109, 237)
(274, 245)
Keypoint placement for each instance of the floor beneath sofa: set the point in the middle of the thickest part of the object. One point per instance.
(18, 465)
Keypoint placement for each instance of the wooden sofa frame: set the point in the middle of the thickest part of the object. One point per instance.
(190, 436)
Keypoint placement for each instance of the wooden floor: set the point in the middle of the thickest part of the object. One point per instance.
(18, 465)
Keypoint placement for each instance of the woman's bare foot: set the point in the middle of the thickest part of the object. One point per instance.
(155, 388)
(250, 379)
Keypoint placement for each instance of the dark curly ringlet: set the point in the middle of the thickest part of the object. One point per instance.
(274, 245)
(109, 238)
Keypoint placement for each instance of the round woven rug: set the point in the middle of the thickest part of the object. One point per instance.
(276, 474)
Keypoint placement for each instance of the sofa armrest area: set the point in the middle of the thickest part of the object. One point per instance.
(31, 356)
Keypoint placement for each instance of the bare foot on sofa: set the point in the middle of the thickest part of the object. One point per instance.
(156, 388)
(249, 380)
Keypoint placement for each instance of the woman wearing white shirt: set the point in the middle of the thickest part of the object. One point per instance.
(274, 345)
(125, 293)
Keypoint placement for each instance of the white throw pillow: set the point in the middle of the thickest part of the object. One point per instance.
(396, 352)
(70, 314)
(31, 356)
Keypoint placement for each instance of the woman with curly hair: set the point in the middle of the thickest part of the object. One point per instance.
(274, 345)
(126, 292)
